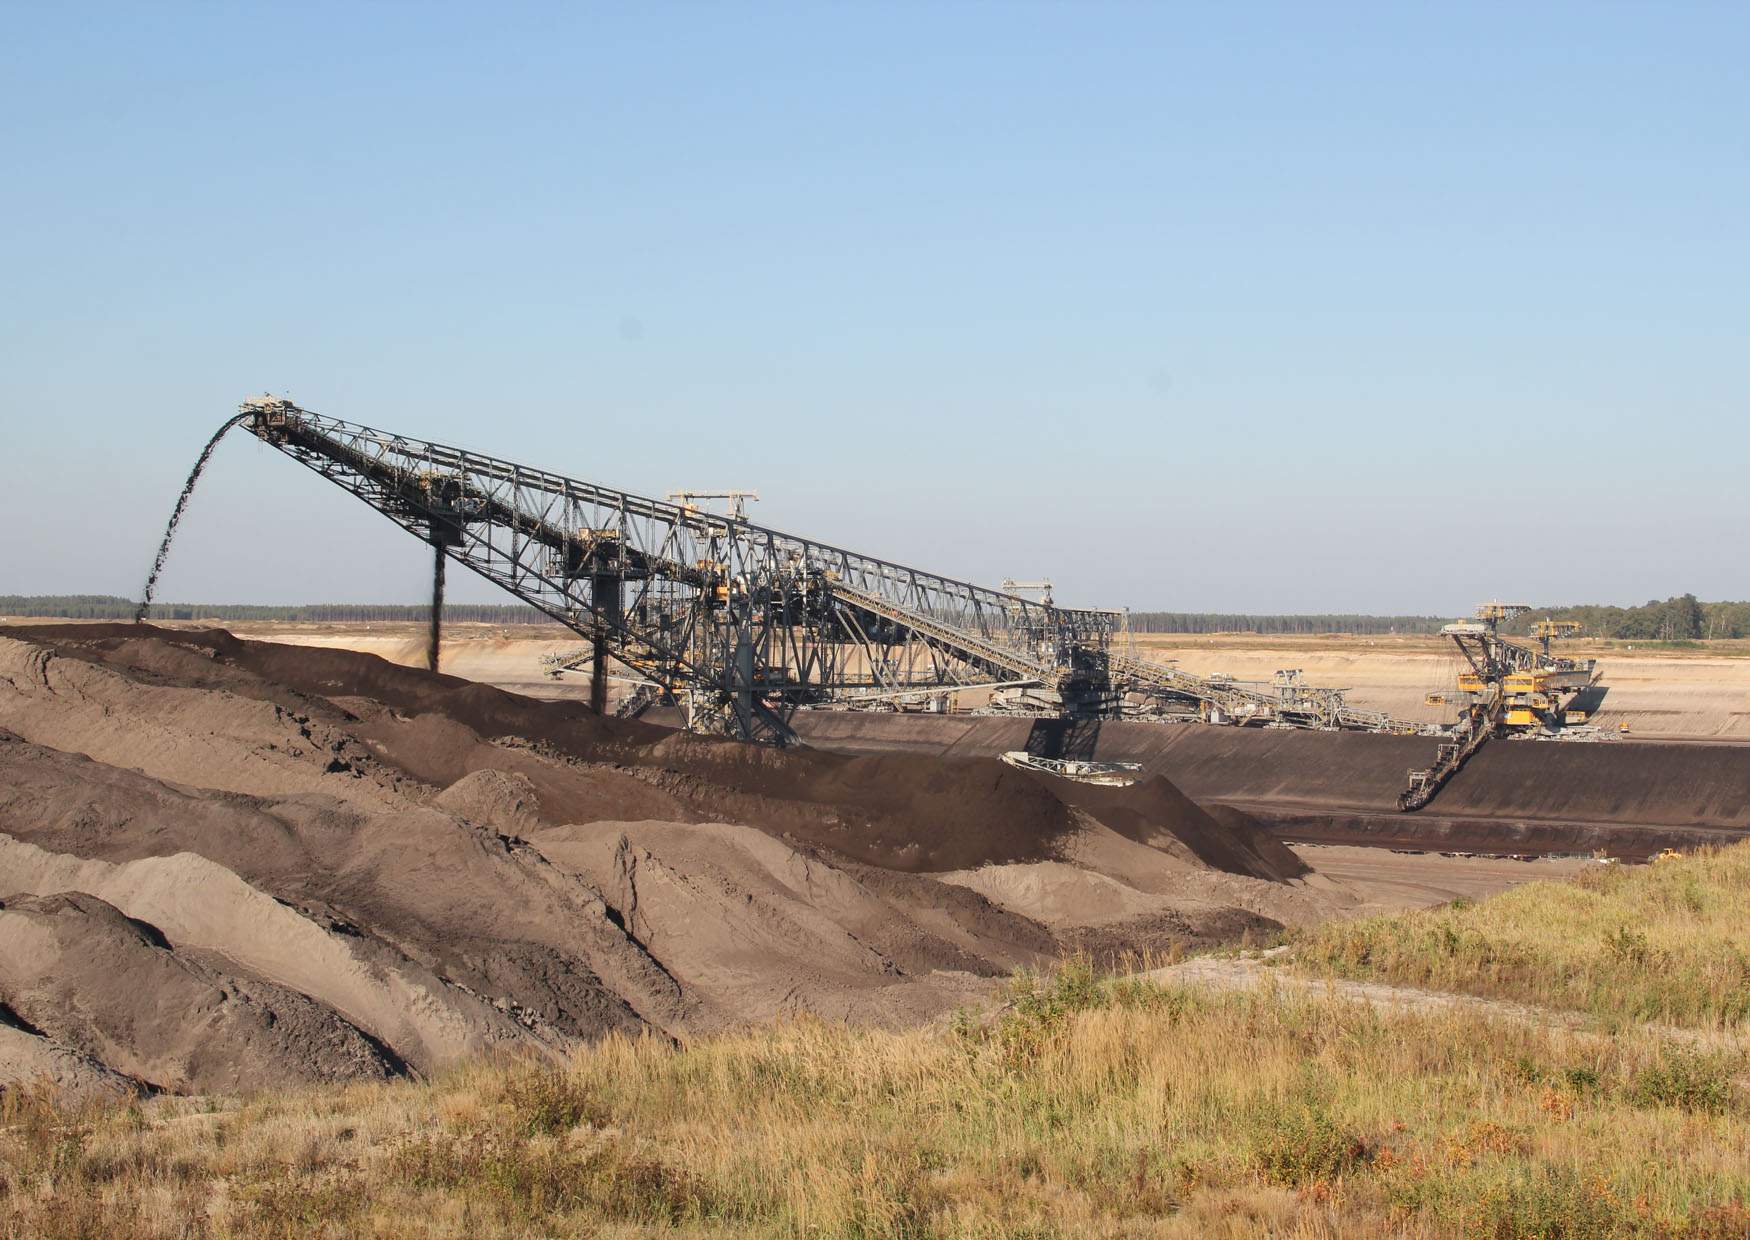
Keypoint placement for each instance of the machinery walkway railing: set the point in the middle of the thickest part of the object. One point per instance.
(967, 646)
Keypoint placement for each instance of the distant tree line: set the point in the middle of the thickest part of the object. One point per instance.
(1216, 622)
(1682, 618)
(113, 607)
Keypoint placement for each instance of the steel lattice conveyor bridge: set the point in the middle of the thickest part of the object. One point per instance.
(740, 624)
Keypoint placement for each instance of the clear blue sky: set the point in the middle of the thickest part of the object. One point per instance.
(1202, 307)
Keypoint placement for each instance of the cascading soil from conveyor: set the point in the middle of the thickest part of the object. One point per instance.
(194, 476)
(439, 536)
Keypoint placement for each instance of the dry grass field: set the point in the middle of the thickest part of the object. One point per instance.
(1084, 1105)
(1664, 943)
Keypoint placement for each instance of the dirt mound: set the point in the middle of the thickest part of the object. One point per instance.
(1059, 894)
(197, 904)
(953, 915)
(504, 800)
(332, 867)
(490, 913)
(900, 813)
(379, 723)
(1107, 919)
(29, 1060)
(236, 665)
(759, 929)
(80, 972)
(1155, 813)
(1109, 880)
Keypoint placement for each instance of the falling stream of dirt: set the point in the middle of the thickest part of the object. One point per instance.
(194, 474)
(437, 605)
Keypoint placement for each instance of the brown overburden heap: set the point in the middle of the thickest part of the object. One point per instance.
(226, 865)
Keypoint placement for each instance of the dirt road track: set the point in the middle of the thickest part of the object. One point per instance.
(1268, 970)
(1387, 880)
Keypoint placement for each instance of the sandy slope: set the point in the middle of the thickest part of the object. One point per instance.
(28, 1060)
(193, 903)
(757, 929)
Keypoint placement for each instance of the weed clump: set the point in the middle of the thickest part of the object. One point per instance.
(535, 1179)
(1687, 1080)
(1550, 1203)
(544, 1101)
(1299, 1144)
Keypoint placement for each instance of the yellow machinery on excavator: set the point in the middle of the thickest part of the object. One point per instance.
(1533, 689)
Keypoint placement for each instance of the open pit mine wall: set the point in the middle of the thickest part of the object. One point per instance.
(1624, 798)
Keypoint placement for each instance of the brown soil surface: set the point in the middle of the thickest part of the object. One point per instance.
(1698, 693)
(1386, 880)
(229, 864)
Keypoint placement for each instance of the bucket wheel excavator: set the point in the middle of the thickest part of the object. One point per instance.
(1511, 687)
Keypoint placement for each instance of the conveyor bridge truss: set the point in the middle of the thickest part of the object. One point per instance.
(1284, 702)
(740, 624)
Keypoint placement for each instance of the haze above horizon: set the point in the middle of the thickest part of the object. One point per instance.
(1312, 309)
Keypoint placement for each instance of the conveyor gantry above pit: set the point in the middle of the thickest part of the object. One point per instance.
(740, 624)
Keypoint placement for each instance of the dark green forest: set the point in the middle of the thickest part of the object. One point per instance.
(1678, 619)
(1681, 618)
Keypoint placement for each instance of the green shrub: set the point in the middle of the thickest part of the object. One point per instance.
(1626, 946)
